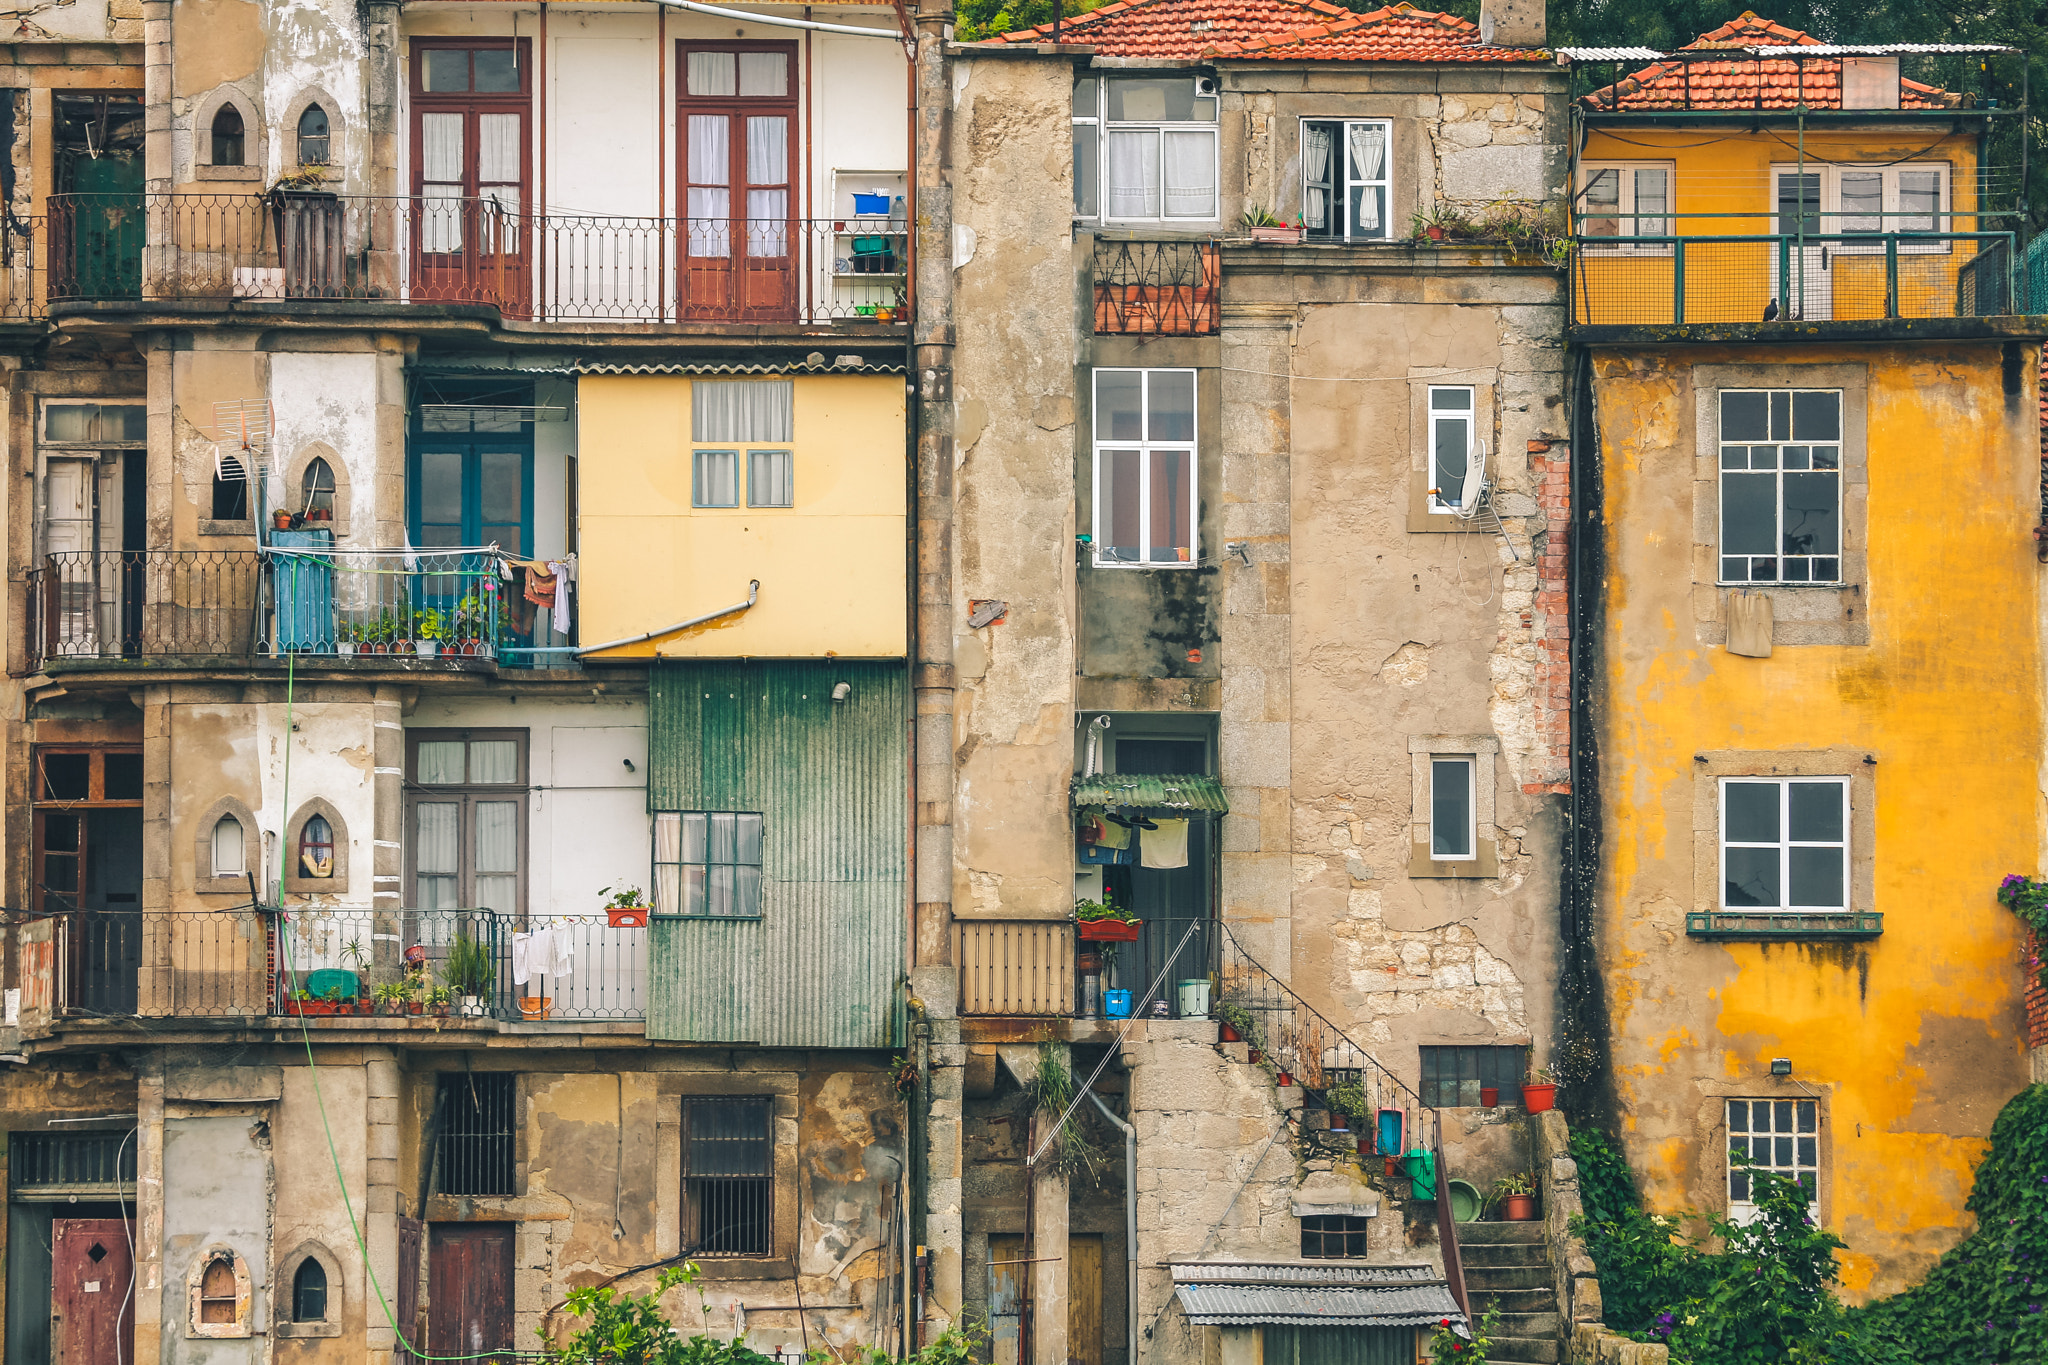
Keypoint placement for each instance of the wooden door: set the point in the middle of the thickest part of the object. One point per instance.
(472, 101)
(92, 1292)
(738, 113)
(1084, 1300)
(411, 1232)
(469, 1289)
(1009, 1280)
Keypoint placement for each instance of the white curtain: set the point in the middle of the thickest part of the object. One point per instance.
(711, 73)
(497, 855)
(1368, 163)
(770, 478)
(710, 210)
(1133, 174)
(1652, 200)
(440, 762)
(493, 760)
(716, 479)
(437, 852)
(1919, 201)
(228, 858)
(764, 73)
(1315, 173)
(668, 877)
(1191, 175)
(498, 149)
(441, 147)
(768, 165)
(742, 410)
(767, 150)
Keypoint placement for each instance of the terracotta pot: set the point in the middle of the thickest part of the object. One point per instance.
(626, 916)
(1110, 930)
(1436, 234)
(1252, 1055)
(1340, 1122)
(280, 521)
(1489, 1096)
(1285, 1079)
(1538, 1098)
(1518, 1208)
(1230, 1035)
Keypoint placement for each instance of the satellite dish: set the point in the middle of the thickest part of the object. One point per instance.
(1475, 479)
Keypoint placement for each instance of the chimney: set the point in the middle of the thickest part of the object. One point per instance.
(1512, 23)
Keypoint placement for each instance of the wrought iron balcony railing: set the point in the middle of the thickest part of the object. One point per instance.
(534, 266)
(1156, 288)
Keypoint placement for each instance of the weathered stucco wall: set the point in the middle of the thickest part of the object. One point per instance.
(216, 1196)
(1952, 599)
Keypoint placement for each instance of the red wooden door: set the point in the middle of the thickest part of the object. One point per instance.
(471, 222)
(736, 106)
(92, 1292)
(469, 1289)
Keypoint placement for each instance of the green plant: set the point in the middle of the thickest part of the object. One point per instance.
(1073, 1151)
(1517, 1183)
(429, 624)
(356, 955)
(1446, 1347)
(299, 179)
(627, 899)
(440, 996)
(1348, 1098)
(903, 1074)
(1441, 220)
(1258, 216)
(1088, 911)
(468, 966)
(2028, 899)
(1236, 1016)
(470, 616)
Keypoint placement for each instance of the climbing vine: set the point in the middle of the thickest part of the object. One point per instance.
(2028, 899)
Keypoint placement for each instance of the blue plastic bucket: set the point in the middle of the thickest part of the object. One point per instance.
(870, 203)
(1116, 1004)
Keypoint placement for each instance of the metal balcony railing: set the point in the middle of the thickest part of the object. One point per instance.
(347, 604)
(119, 963)
(1733, 268)
(533, 266)
(1156, 288)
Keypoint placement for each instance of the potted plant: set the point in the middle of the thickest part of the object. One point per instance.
(1101, 921)
(438, 998)
(1346, 1102)
(1441, 222)
(470, 973)
(358, 959)
(1489, 1096)
(1539, 1092)
(346, 634)
(1264, 227)
(1515, 1196)
(280, 520)
(390, 997)
(625, 909)
(1235, 1021)
(429, 628)
(470, 619)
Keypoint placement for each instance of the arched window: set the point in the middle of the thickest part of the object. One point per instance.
(230, 490)
(227, 136)
(217, 1291)
(229, 859)
(313, 136)
(309, 1292)
(316, 491)
(316, 848)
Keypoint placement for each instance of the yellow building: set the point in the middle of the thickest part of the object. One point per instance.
(1812, 680)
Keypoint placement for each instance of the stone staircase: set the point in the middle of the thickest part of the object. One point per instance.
(1508, 1265)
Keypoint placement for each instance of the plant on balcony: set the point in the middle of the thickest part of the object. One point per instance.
(1104, 921)
(300, 180)
(471, 623)
(438, 999)
(1442, 222)
(469, 972)
(1074, 1150)
(1264, 226)
(347, 638)
(358, 959)
(626, 909)
(429, 629)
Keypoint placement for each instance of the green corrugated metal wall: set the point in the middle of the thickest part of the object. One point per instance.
(821, 965)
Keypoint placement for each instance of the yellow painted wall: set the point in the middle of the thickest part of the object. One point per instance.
(1915, 1038)
(1723, 169)
(832, 567)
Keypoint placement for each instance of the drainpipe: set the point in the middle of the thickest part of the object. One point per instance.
(1130, 1220)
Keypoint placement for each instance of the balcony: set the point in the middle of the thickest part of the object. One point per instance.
(167, 249)
(1156, 288)
(1737, 277)
(359, 608)
(262, 965)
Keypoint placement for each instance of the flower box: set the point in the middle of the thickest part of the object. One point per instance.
(1110, 930)
(626, 916)
(1286, 235)
(313, 1009)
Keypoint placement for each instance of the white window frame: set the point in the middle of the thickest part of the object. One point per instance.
(1742, 1212)
(1470, 763)
(1627, 223)
(1785, 844)
(1833, 224)
(1145, 449)
(1342, 184)
(1106, 128)
(1721, 471)
(1440, 505)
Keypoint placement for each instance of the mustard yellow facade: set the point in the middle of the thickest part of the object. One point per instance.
(1918, 680)
(830, 563)
(1725, 182)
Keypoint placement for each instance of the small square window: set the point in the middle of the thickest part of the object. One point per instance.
(707, 863)
(771, 478)
(1334, 1237)
(715, 478)
(1779, 1136)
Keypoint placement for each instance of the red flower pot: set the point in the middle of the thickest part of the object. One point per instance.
(1519, 1208)
(626, 916)
(1537, 1098)
(1489, 1096)
(1110, 930)
(1230, 1035)
(1340, 1122)
(1286, 1079)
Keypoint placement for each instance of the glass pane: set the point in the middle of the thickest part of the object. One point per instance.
(1748, 513)
(498, 149)
(1191, 175)
(1085, 97)
(1919, 201)
(746, 891)
(1133, 174)
(1751, 877)
(1450, 808)
(1147, 100)
(497, 893)
(1170, 405)
(497, 69)
(1744, 417)
(712, 73)
(1087, 169)
(728, 1137)
(668, 889)
(693, 890)
(1811, 523)
(437, 847)
(742, 410)
(1862, 200)
(1781, 416)
(122, 778)
(1816, 876)
(497, 836)
(1799, 203)
(493, 760)
(1738, 1116)
(1118, 510)
(447, 70)
(67, 777)
(695, 839)
(440, 762)
(1450, 450)
(71, 421)
(1119, 405)
(768, 150)
(764, 74)
(718, 887)
(502, 494)
(441, 487)
(1652, 200)
(724, 839)
(770, 478)
(1751, 812)
(227, 847)
(1817, 416)
(710, 150)
(1450, 400)
(749, 840)
(1172, 530)
(1738, 1186)
(441, 148)
(716, 480)
(1816, 814)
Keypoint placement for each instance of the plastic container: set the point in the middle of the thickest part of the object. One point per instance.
(1420, 1167)
(1538, 1098)
(1116, 1004)
(1391, 1124)
(1091, 995)
(1194, 999)
(1466, 1201)
(876, 204)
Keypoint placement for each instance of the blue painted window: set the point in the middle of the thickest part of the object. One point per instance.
(469, 476)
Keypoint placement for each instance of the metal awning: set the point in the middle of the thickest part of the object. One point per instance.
(1171, 793)
(1240, 1295)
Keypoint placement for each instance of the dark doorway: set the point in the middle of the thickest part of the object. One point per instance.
(87, 832)
(96, 214)
(92, 1292)
(469, 1289)
(31, 1232)
(1171, 901)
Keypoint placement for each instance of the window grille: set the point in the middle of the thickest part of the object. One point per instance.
(1454, 1076)
(477, 1130)
(728, 1181)
(68, 1160)
(1333, 1237)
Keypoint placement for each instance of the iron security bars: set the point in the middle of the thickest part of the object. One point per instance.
(478, 1134)
(56, 1164)
(728, 1175)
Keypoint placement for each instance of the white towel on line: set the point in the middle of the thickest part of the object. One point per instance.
(541, 953)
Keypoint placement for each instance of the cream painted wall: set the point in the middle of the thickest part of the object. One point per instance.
(331, 399)
(831, 567)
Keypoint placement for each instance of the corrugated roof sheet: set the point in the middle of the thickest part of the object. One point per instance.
(1401, 1304)
(1301, 1272)
(1610, 54)
(1165, 792)
(868, 365)
(1399, 33)
(1742, 79)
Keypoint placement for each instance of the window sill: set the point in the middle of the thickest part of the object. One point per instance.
(248, 173)
(1770, 926)
(1773, 587)
(1486, 864)
(209, 527)
(306, 1329)
(745, 1267)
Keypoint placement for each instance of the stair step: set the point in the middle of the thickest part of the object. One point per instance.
(1528, 1324)
(1523, 1351)
(1516, 1255)
(1486, 1277)
(1515, 1302)
(1494, 1234)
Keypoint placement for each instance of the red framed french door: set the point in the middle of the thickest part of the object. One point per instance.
(736, 116)
(472, 118)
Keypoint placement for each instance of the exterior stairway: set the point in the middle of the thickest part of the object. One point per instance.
(1508, 1265)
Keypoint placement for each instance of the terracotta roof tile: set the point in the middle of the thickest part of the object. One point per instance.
(1181, 28)
(1749, 83)
(1400, 33)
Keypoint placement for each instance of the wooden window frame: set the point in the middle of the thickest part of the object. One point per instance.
(467, 793)
(468, 102)
(41, 808)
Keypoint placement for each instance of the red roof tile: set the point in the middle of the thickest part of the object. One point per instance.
(1400, 33)
(1749, 83)
(1180, 28)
